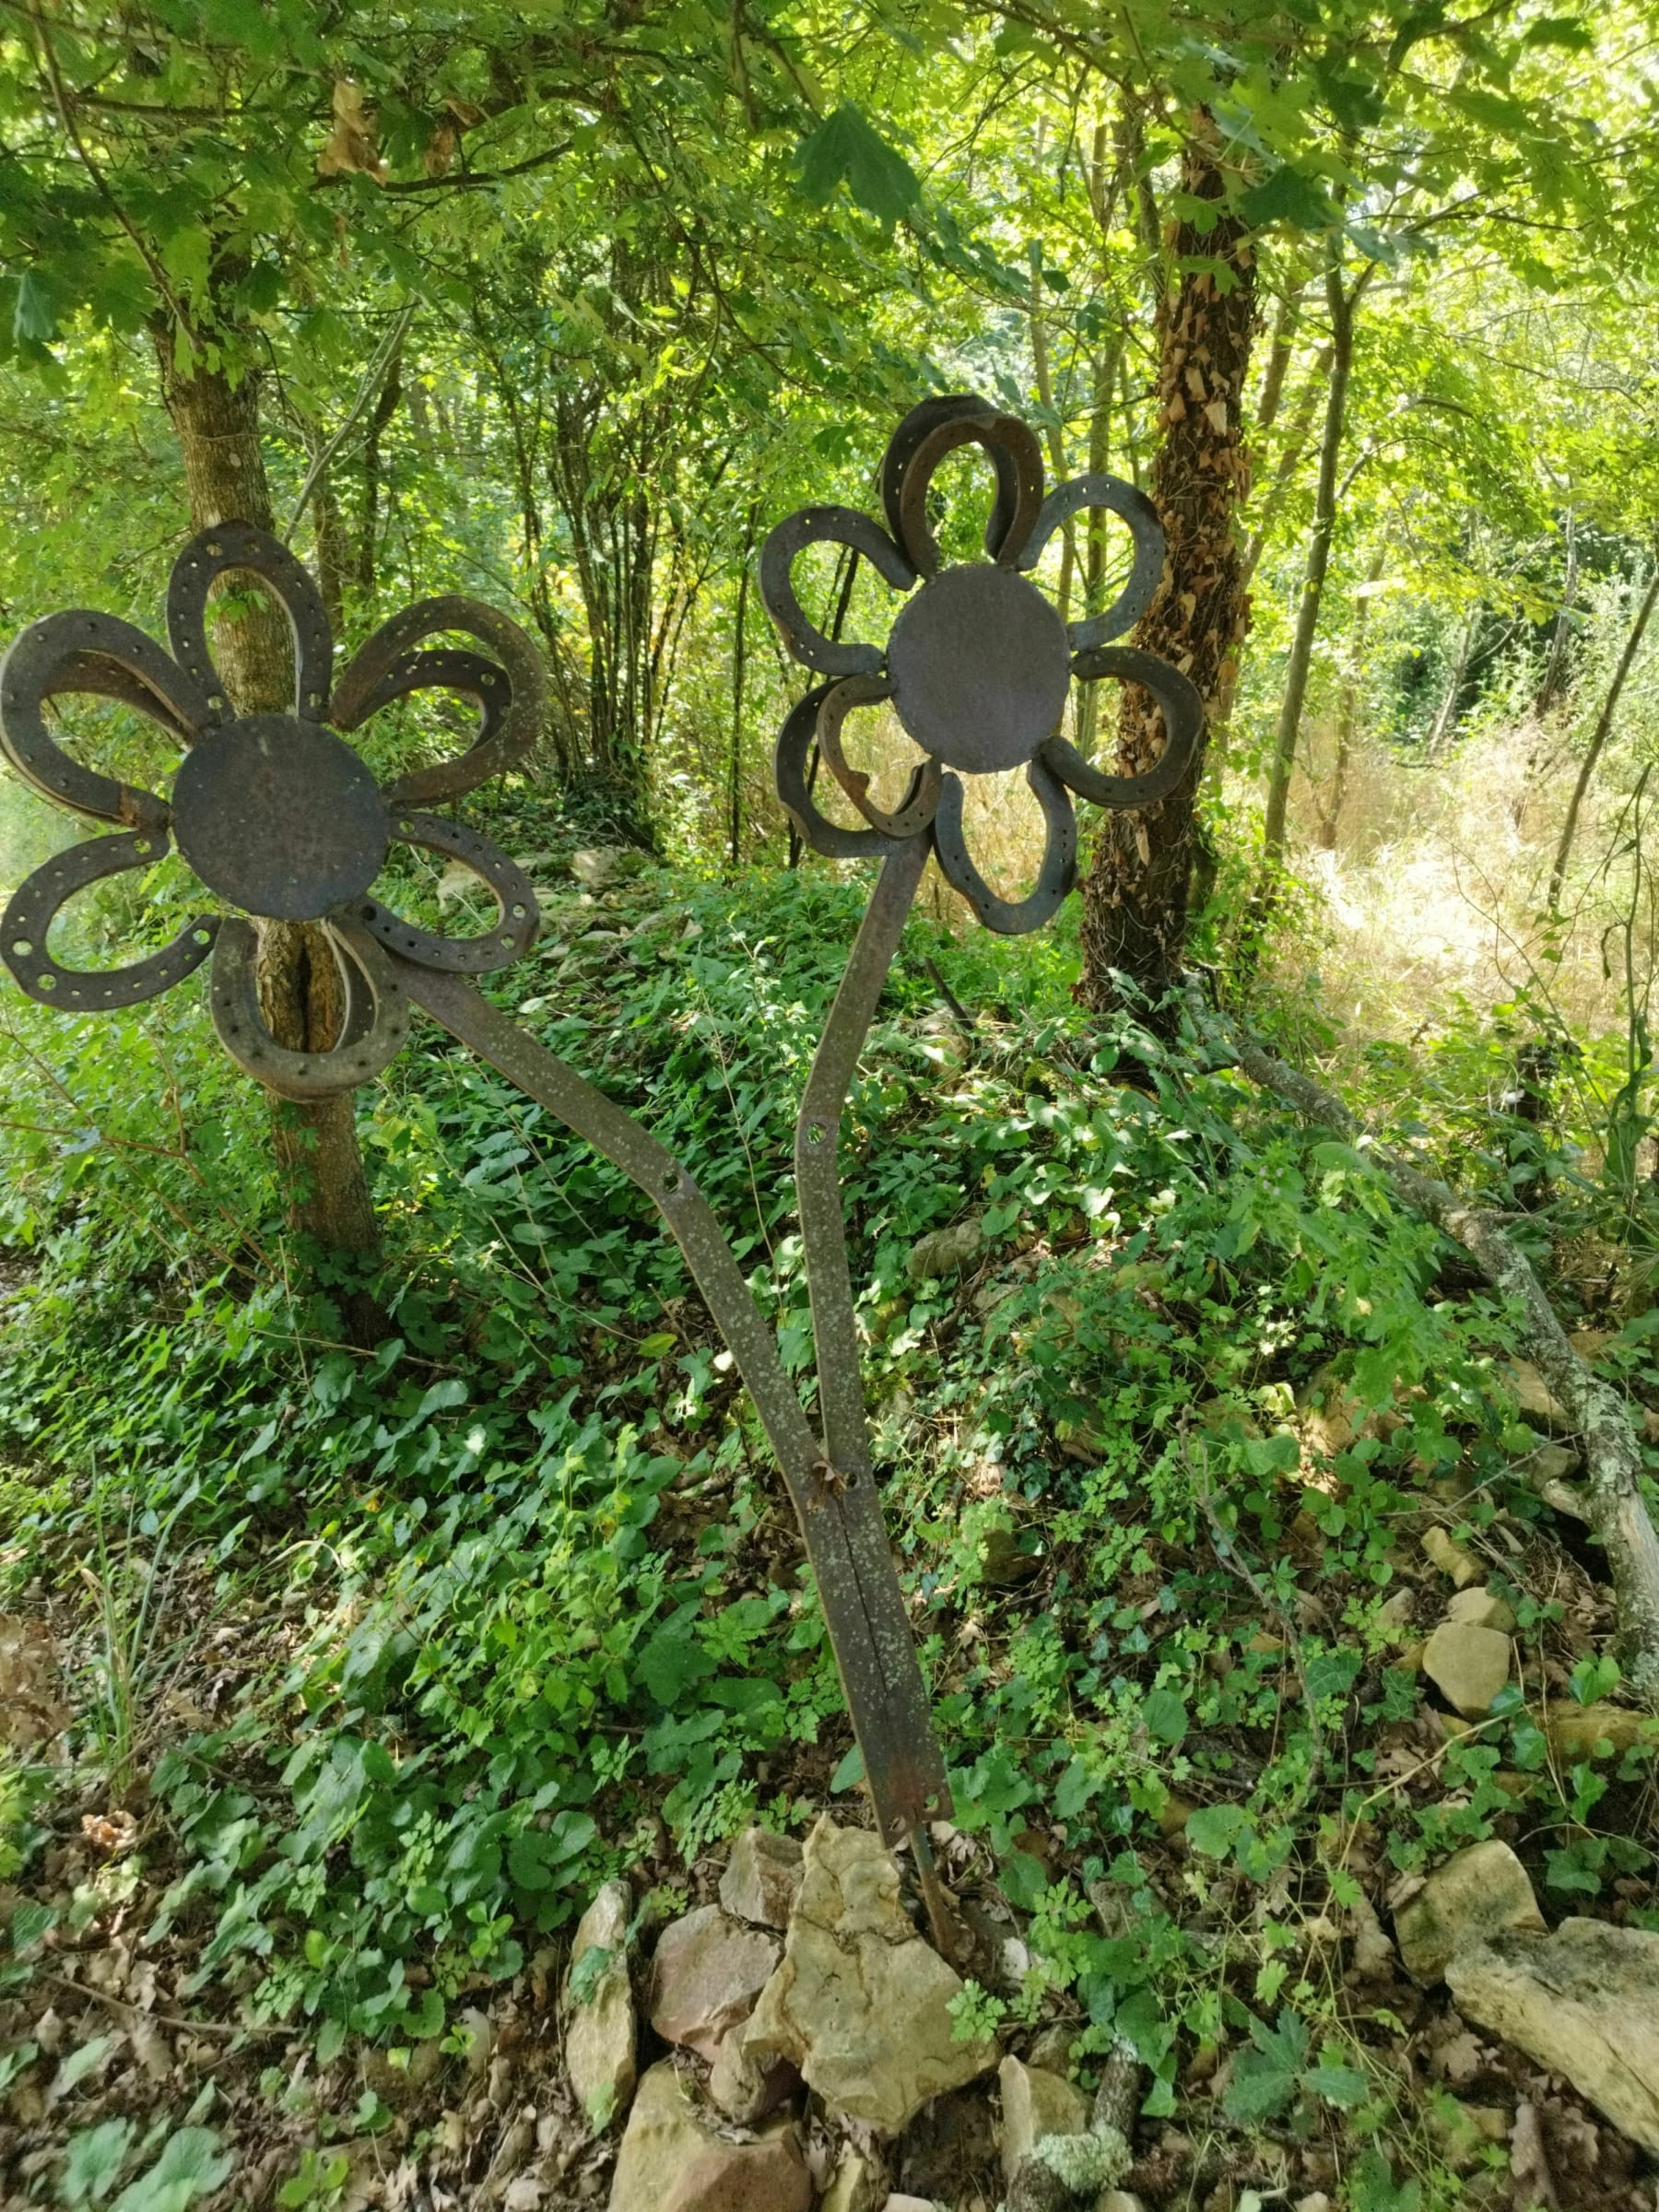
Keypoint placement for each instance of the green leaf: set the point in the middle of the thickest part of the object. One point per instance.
(1214, 1829)
(849, 1773)
(1024, 1878)
(1287, 196)
(33, 319)
(191, 2165)
(1343, 2087)
(1265, 2078)
(879, 179)
(1165, 1715)
(93, 2162)
(671, 1662)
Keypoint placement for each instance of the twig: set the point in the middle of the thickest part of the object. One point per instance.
(162, 2019)
(383, 353)
(947, 994)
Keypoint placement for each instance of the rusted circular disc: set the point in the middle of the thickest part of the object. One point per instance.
(280, 818)
(980, 668)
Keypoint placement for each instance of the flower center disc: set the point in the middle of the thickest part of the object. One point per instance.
(280, 818)
(980, 667)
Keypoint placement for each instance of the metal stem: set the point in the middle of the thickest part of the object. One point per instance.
(857, 1582)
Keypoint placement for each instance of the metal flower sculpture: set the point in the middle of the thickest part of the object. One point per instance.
(275, 813)
(280, 818)
(978, 663)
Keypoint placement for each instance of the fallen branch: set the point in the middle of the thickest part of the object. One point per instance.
(1617, 1511)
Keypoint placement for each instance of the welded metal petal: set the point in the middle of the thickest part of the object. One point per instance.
(511, 690)
(1012, 917)
(915, 810)
(98, 654)
(1147, 531)
(818, 527)
(238, 546)
(517, 914)
(789, 766)
(938, 427)
(39, 898)
(374, 1032)
(1183, 709)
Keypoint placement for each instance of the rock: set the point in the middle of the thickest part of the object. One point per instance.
(1482, 1609)
(1003, 1566)
(860, 2003)
(853, 2186)
(708, 1971)
(1118, 2200)
(599, 2021)
(1035, 2103)
(1548, 1463)
(1461, 2132)
(745, 2090)
(945, 1252)
(1535, 1398)
(601, 867)
(900, 2203)
(1584, 2002)
(1476, 1894)
(1068, 2170)
(762, 1878)
(1451, 1557)
(1395, 1616)
(1468, 1664)
(672, 2161)
(1574, 1731)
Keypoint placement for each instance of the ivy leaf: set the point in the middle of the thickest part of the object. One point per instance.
(880, 180)
(1287, 196)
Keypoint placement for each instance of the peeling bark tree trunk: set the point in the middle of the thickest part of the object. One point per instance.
(327, 1191)
(1613, 1463)
(1135, 898)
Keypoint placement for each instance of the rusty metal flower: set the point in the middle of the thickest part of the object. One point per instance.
(978, 665)
(275, 812)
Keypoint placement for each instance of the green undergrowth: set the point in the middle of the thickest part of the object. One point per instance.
(517, 1592)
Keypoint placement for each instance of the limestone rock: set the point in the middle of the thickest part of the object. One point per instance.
(708, 1971)
(1482, 1609)
(1035, 2103)
(1450, 1557)
(599, 2026)
(762, 1878)
(1476, 1894)
(855, 2186)
(1584, 2002)
(898, 2202)
(600, 867)
(946, 1252)
(1535, 1399)
(1575, 1730)
(672, 2161)
(860, 2003)
(1468, 1664)
(746, 2090)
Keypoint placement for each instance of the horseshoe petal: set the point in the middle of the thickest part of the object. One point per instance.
(1183, 709)
(39, 898)
(1012, 918)
(922, 441)
(511, 690)
(1146, 529)
(375, 1029)
(789, 764)
(97, 655)
(915, 810)
(238, 545)
(818, 527)
(517, 913)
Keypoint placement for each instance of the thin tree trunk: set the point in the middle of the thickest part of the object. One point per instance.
(1136, 895)
(1555, 667)
(1280, 348)
(1347, 716)
(1284, 475)
(739, 666)
(1602, 732)
(1341, 307)
(326, 1189)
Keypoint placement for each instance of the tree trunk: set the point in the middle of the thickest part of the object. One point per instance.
(327, 1191)
(1347, 716)
(1319, 558)
(1603, 730)
(1135, 898)
(1554, 667)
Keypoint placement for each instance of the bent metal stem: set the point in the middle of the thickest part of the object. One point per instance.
(280, 818)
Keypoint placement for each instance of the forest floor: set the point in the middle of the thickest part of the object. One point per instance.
(335, 1684)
